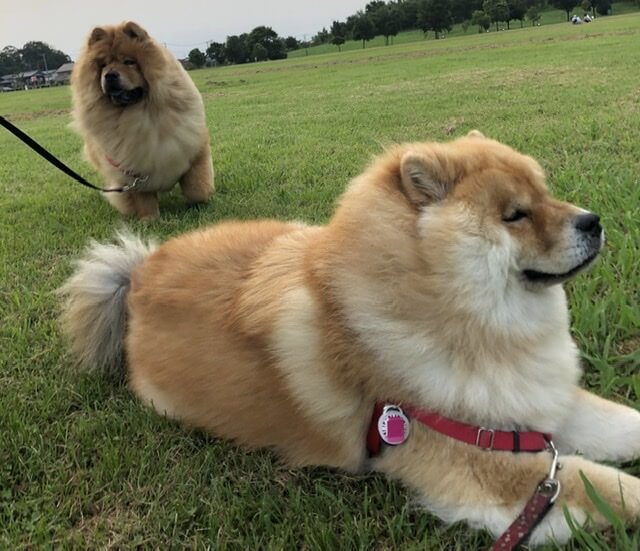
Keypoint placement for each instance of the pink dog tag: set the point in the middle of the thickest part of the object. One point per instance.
(393, 425)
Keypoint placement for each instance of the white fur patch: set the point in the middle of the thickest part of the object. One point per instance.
(296, 341)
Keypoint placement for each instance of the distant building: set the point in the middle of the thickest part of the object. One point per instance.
(62, 74)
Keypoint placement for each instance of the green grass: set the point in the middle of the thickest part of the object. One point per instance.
(82, 464)
(549, 16)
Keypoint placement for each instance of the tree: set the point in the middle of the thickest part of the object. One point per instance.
(497, 10)
(603, 7)
(259, 52)
(338, 28)
(565, 5)
(322, 37)
(236, 50)
(363, 29)
(407, 13)
(197, 57)
(338, 41)
(386, 20)
(517, 11)
(291, 43)
(216, 50)
(269, 39)
(462, 10)
(481, 19)
(374, 6)
(10, 60)
(435, 15)
(533, 14)
(587, 6)
(39, 55)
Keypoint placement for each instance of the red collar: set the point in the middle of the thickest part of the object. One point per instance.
(390, 425)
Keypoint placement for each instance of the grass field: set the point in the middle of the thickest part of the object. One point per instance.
(549, 16)
(83, 465)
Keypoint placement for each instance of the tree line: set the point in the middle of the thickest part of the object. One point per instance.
(388, 18)
(260, 44)
(32, 56)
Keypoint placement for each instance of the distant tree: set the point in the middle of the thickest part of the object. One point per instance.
(374, 6)
(565, 5)
(462, 10)
(603, 7)
(481, 19)
(363, 29)
(465, 25)
(497, 10)
(10, 60)
(435, 15)
(236, 49)
(408, 13)
(322, 37)
(533, 14)
(259, 52)
(588, 6)
(386, 20)
(39, 55)
(216, 50)
(338, 41)
(338, 28)
(197, 57)
(269, 39)
(291, 43)
(517, 11)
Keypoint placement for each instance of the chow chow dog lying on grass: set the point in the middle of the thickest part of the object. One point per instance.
(423, 333)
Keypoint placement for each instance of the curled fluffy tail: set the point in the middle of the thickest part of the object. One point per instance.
(94, 316)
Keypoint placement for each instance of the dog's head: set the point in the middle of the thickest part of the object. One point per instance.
(117, 56)
(486, 214)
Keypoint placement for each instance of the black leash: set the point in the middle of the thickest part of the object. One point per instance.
(49, 157)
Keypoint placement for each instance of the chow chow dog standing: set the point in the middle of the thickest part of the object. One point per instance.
(142, 119)
(437, 283)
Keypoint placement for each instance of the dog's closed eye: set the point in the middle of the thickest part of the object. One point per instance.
(515, 215)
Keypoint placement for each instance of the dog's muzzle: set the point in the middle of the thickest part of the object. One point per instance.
(119, 95)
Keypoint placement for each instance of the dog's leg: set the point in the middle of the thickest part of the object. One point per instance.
(489, 489)
(600, 429)
(121, 201)
(146, 204)
(197, 182)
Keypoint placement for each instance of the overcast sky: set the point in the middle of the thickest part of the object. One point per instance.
(181, 25)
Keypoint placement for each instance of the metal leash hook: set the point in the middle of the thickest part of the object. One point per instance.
(534, 510)
(133, 185)
(551, 485)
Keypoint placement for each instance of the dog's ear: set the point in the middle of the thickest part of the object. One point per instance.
(475, 134)
(134, 31)
(97, 35)
(427, 175)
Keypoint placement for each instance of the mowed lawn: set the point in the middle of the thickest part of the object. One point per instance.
(84, 465)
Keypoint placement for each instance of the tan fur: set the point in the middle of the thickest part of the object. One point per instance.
(163, 136)
(283, 335)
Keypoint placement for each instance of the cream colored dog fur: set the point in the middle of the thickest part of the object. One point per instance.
(437, 283)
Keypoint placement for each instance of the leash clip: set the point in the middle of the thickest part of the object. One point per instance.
(133, 185)
(550, 486)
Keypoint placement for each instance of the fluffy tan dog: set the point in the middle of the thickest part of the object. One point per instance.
(142, 119)
(437, 283)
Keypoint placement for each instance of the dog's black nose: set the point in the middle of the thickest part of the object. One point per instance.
(112, 76)
(588, 223)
